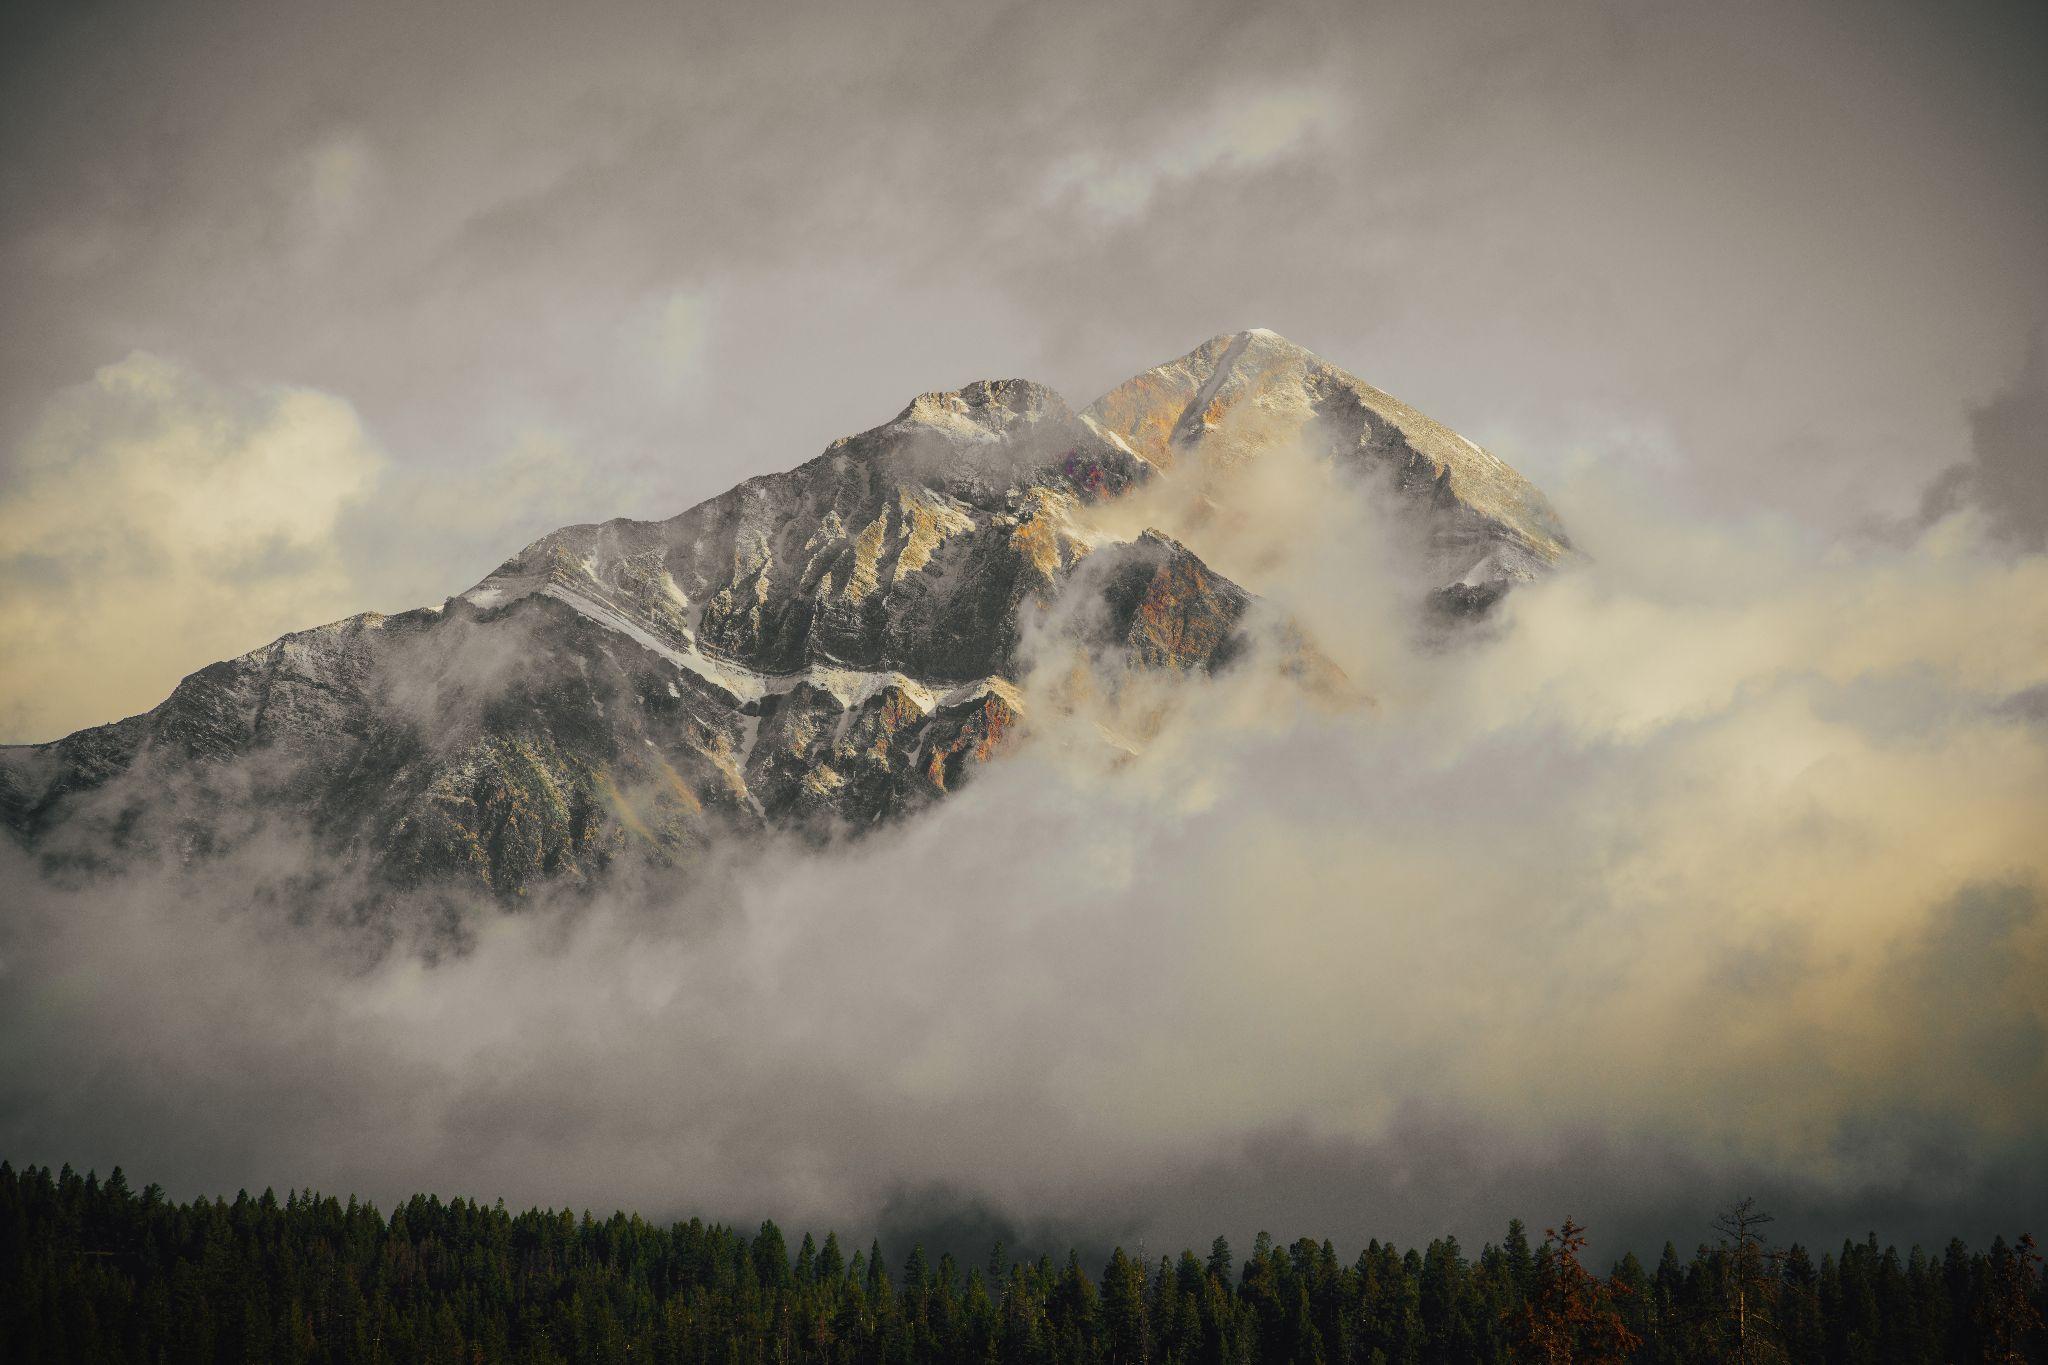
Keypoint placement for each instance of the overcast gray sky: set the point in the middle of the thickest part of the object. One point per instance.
(555, 263)
(1718, 870)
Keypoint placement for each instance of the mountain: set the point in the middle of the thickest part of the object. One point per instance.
(1481, 526)
(819, 649)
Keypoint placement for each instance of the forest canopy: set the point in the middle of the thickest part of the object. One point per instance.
(94, 1270)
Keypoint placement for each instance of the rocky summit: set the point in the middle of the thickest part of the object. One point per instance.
(816, 650)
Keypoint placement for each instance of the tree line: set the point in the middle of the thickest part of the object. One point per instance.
(92, 1270)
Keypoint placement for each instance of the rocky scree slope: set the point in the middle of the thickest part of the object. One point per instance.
(822, 648)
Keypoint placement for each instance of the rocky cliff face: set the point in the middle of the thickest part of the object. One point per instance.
(818, 649)
(1480, 526)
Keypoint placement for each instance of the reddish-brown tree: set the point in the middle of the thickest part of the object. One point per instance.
(1571, 1319)
(2007, 1313)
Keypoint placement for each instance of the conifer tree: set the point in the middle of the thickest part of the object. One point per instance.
(771, 1257)
(1571, 1316)
(1123, 1310)
(2008, 1316)
(1221, 1264)
(1748, 1266)
(831, 1263)
(1521, 1263)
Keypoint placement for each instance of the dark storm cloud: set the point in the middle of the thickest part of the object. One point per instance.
(2009, 440)
(2030, 704)
(2005, 478)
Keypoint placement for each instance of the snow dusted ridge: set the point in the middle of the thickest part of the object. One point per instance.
(850, 687)
(822, 648)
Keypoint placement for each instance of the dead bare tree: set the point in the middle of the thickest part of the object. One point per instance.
(1751, 1264)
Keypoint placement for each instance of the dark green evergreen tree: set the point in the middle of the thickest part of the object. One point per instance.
(1126, 1333)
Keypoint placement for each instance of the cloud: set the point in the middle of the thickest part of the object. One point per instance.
(2008, 472)
(156, 522)
(1237, 134)
(667, 341)
(1495, 216)
(432, 531)
(331, 185)
(1644, 897)
(2003, 484)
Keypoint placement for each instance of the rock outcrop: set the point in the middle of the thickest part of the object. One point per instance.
(1481, 526)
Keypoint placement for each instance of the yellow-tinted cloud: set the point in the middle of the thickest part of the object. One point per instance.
(156, 522)
(1722, 843)
(1665, 850)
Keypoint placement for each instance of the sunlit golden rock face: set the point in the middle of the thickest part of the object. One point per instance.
(977, 735)
(1144, 411)
(1186, 617)
(1246, 393)
(816, 650)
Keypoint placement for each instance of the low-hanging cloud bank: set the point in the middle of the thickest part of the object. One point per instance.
(1713, 866)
